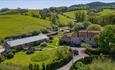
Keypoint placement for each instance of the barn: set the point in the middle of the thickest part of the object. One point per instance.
(26, 42)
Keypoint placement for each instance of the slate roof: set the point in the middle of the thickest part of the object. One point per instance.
(26, 40)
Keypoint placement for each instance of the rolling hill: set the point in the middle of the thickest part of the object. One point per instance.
(30, 12)
(70, 14)
(17, 24)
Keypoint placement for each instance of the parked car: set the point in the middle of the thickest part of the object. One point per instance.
(75, 52)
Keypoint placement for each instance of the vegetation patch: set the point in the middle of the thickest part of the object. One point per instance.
(40, 57)
(98, 63)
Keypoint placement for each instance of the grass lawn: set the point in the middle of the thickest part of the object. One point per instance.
(17, 24)
(38, 57)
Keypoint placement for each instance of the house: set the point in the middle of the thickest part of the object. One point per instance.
(80, 37)
(25, 42)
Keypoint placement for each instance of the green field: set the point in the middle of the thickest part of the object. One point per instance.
(70, 14)
(17, 24)
(106, 12)
(14, 24)
(64, 20)
(30, 12)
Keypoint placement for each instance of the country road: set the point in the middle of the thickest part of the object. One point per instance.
(75, 58)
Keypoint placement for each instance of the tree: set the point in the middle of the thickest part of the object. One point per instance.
(10, 54)
(43, 67)
(78, 27)
(94, 27)
(106, 39)
(54, 21)
(86, 24)
(71, 24)
(30, 67)
(2, 58)
(81, 16)
(4, 9)
(81, 66)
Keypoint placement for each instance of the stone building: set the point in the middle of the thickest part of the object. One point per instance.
(80, 37)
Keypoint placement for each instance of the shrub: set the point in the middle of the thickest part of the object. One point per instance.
(43, 44)
(85, 45)
(59, 63)
(2, 58)
(92, 51)
(51, 38)
(94, 27)
(10, 54)
(33, 67)
(43, 67)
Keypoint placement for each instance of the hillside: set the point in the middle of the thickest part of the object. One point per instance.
(70, 14)
(106, 12)
(30, 12)
(16, 24)
(64, 20)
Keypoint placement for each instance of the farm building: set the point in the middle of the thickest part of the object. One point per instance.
(26, 42)
(80, 37)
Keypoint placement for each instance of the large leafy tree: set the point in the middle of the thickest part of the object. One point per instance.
(106, 39)
(95, 27)
(78, 26)
(54, 21)
(81, 16)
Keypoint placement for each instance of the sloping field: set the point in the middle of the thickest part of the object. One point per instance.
(106, 12)
(64, 20)
(70, 14)
(16, 24)
(30, 12)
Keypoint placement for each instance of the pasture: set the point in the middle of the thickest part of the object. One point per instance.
(19, 24)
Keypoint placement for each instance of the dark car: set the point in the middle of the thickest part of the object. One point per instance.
(75, 52)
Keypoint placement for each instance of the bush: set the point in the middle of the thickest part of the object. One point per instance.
(59, 63)
(92, 51)
(33, 67)
(10, 54)
(51, 38)
(43, 67)
(43, 44)
(44, 31)
(2, 58)
(95, 27)
(85, 45)
(50, 41)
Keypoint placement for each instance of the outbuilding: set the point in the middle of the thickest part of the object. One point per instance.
(26, 42)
